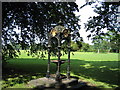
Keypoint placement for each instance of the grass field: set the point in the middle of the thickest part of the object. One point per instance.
(100, 70)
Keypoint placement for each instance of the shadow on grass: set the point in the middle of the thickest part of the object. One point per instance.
(21, 70)
(103, 71)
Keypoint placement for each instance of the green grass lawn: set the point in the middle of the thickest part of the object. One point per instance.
(100, 70)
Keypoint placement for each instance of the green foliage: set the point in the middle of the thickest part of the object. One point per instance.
(91, 48)
(106, 18)
(85, 47)
(75, 46)
(81, 46)
(34, 20)
(107, 15)
(107, 43)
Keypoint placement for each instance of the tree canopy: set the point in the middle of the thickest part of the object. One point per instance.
(27, 24)
(107, 19)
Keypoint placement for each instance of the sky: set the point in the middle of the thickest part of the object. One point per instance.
(85, 13)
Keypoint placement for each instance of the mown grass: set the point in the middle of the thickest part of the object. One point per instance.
(100, 70)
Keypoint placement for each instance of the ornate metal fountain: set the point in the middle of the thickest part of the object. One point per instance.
(56, 36)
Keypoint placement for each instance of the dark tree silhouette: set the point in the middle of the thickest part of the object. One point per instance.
(34, 20)
(107, 18)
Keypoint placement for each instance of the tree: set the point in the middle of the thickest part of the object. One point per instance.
(106, 19)
(91, 48)
(74, 46)
(34, 20)
(85, 47)
(113, 42)
(100, 44)
(106, 43)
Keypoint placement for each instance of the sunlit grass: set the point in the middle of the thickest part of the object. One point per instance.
(100, 70)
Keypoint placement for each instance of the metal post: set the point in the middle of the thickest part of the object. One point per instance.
(68, 67)
(58, 66)
(48, 67)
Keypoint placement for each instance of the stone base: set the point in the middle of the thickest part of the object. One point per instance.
(51, 83)
(42, 82)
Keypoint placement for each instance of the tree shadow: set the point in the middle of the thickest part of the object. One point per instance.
(27, 69)
(103, 71)
(23, 71)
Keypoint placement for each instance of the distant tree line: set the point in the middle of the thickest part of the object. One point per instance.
(100, 45)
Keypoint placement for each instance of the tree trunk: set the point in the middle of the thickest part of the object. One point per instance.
(108, 50)
(98, 51)
(117, 51)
